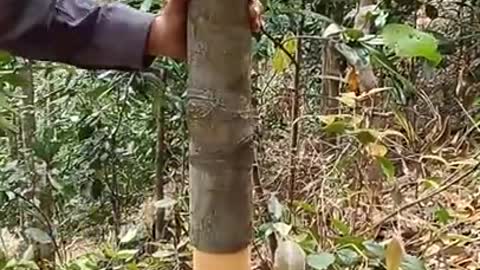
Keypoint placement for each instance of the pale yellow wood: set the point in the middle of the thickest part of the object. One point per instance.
(213, 261)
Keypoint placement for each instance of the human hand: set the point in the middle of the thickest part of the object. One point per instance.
(168, 33)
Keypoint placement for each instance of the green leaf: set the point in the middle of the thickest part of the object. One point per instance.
(381, 19)
(431, 182)
(146, 5)
(4, 105)
(331, 30)
(348, 257)
(320, 261)
(305, 207)
(375, 249)
(132, 266)
(341, 226)
(7, 125)
(412, 263)
(442, 215)
(100, 91)
(129, 236)
(162, 254)
(275, 208)
(366, 136)
(356, 241)
(337, 127)
(38, 235)
(407, 41)
(281, 60)
(126, 254)
(377, 150)
(348, 99)
(14, 264)
(3, 260)
(353, 34)
(387, 167)
(14, 79)
(5, 57)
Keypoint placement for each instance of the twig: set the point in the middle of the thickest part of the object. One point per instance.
(279, 45)
(449, 183)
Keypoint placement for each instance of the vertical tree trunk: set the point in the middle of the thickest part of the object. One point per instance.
(220, 124)
(44, 253)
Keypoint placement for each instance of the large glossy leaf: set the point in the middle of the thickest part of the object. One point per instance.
(407, 41)
(320, 261)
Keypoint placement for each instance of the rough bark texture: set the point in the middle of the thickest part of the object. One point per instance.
(220, 124)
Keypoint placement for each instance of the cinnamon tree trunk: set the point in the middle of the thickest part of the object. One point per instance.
(221, 134)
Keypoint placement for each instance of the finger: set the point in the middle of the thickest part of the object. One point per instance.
(255, 11)
(177, 5)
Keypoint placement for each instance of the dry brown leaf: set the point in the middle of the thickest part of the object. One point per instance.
(394, 253)
(353, 80)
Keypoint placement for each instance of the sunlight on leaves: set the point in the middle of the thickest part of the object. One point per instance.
(281, 61)
(377, 150)
(407, 41)
(129, 236)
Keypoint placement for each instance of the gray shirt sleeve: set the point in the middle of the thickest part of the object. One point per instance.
(76, 32)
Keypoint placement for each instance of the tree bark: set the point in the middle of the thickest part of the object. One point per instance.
(220, 122)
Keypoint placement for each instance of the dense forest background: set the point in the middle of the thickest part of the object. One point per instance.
(367, 129)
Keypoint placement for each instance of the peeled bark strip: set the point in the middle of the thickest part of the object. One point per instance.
(221, 128)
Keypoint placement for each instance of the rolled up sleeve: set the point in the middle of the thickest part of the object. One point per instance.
(76, 32)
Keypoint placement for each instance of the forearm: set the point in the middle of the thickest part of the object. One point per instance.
(76, 32)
